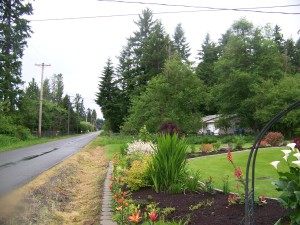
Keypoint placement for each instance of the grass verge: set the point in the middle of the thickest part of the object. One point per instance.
(69, 193)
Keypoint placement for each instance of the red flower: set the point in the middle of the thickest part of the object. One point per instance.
(116, 196)
(110, 186)
(229, 156)
(238, 173)
(153, 216)
(124, 194)
(120, 201)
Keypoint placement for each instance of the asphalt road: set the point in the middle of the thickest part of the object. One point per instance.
(18, 167)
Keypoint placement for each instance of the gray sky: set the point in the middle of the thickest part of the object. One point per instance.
(79, 48)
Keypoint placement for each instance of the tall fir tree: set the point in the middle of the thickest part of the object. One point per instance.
(108, 98)
(180, 44)
(14, 30)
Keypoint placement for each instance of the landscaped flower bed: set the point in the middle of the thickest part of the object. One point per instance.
(157, 187)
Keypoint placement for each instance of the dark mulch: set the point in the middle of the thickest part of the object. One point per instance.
(219, 213)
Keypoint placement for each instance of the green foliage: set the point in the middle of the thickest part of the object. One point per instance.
(108, 99)
(86, 127)
(175, 95)
(169, 163)
(192, 181)
(238, 141)
(137, 175)
(144, 134)
(15, 30)
(289, 186)
(180, 44)
(23, 133)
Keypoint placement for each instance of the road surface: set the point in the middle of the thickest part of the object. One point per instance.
(18, 167)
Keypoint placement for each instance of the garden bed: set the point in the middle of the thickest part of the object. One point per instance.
(188, 206)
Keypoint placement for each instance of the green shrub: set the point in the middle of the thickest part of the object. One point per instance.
(216, 146)
(23, 133)
(168, 165)
(239, 142)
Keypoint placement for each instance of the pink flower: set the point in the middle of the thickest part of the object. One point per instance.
(153, 216)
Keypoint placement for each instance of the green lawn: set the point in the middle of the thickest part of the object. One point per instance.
(219, 167)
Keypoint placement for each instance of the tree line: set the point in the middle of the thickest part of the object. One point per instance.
(19, 107)
(251, 72)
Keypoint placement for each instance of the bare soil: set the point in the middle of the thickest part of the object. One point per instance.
(219, 213)
(69, 193)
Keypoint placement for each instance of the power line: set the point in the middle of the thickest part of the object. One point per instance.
(200, 9)
(205, 7)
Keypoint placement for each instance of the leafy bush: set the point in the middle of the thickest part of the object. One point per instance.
(263, 144)
(274, 138)
(206, 148)
(86, 126)
(23, 133)
(168, 165)
(239, 141)
(216, 146)
(137, 176)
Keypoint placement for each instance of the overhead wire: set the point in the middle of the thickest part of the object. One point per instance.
(199, 9)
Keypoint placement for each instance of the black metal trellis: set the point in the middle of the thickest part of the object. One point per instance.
(249, 194)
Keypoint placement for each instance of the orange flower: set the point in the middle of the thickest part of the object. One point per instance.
(124, 194)
(153, 216)
(135, 218)
(110, 186)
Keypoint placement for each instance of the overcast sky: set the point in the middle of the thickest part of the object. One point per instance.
(79, 48)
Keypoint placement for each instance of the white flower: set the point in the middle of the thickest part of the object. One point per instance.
(140, 147)
(297, 155)
(286, 152)
(297, 162)
(292, 146)
(275, 164)
(285, 157)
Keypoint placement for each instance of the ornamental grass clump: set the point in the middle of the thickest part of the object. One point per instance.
(289, 183)
(168, 166)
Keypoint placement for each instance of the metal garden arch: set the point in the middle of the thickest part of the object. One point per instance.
(249, 193)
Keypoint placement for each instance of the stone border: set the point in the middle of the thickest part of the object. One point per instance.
(106, 211)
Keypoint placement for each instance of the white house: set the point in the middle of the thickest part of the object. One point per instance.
(209, 126)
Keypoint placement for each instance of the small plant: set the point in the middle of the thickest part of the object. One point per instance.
(193, 149)
(144, 134)
(239, 141)
(216, 146)
(289, 183)
(274, 138)
(201, 205)
(209, 185)
(192, 182)
(140, 147)
(226, 189)
(206, 148)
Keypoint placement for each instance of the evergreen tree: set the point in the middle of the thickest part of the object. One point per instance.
(57, 88)
(208, 55)
(14, 30)
(180, 44)
(108, 98)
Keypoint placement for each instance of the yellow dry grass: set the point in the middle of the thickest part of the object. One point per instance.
(69, 193)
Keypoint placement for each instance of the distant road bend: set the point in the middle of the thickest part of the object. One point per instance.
(19, 166)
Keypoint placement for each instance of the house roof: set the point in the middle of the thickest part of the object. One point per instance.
(210, 118)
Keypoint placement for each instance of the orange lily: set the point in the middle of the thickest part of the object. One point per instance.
(135, 218)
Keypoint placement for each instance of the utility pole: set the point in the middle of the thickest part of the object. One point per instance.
(41, 98)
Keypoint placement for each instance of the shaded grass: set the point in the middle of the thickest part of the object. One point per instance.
(218, 167)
